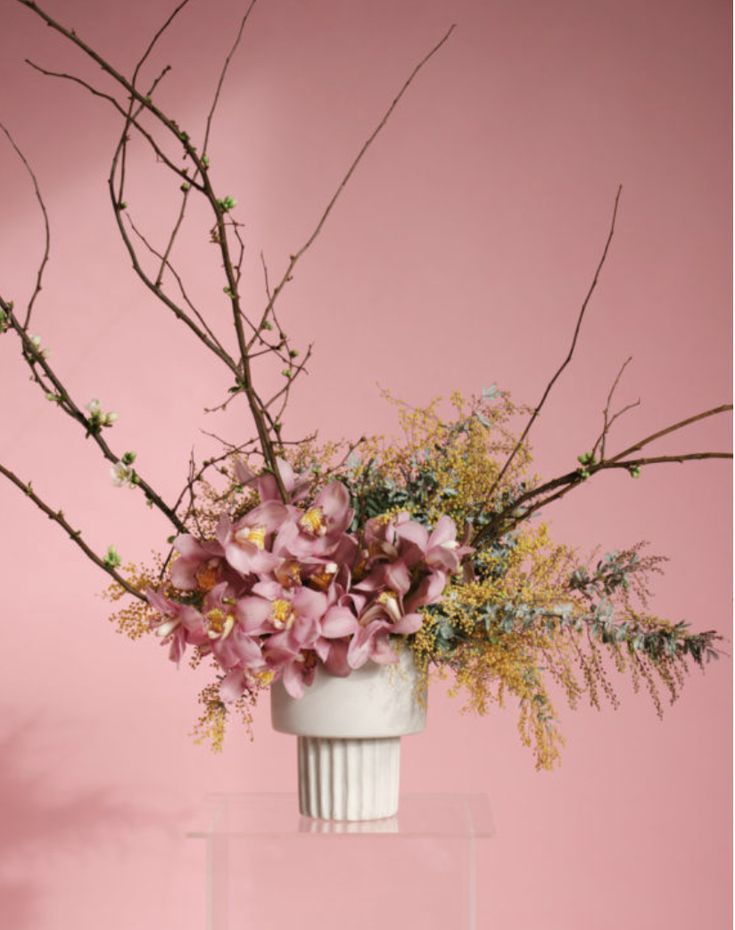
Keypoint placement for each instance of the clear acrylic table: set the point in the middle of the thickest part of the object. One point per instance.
(269, 868)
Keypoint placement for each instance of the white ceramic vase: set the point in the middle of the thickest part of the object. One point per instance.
(349, 737)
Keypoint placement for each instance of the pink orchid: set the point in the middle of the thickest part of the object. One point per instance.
(290, 651)
(292, 659)
(239, 680)
(200, 564)
(338, 624)
(277, 608)
(320, 559)
(306, 619)
(232, 636)
(245, 542)
(295, 668)
(295, 485)
(382, 618)
(428, 591)
(280, 587)
(322, 526)
(394, 576)
(380, 537)
(178, 624)
(438, 549)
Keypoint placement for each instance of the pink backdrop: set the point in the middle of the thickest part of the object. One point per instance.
(458, 257)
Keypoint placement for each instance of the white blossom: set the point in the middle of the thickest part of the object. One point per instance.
(122, 475)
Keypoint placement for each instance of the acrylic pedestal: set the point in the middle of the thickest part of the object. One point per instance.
(268, 868)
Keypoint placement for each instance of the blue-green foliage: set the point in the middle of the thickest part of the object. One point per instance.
(602, 618)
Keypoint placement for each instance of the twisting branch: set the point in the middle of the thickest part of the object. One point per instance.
(47, 228)
(202, 332)
(75, 535)
(161, 155)
(223, 75)
(293, 259)
(216, 204)
(523, 506)
(570, 353)
(151, 45)
(156, 37)
(35, 359)
(607, 418)
(112, 72)
(264, 422)
(723, 408)
(575, 479)
(166, 263)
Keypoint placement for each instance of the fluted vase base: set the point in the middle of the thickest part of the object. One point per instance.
(349, 779)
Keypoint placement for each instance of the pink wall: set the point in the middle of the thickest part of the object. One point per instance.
(458, 257)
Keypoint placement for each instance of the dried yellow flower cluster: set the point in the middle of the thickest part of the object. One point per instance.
(134, 619)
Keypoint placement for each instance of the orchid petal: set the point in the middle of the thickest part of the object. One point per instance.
(397, 577)
(444, 559)
(189, 546)
(310, 603)
(166, 628)
(248, 651)
(253, 613)
(183, 574)
(243, 472)
(382, 653)
(267, 488)
(224, 528)
(160, 603)
(413, 532)
(336, 662)
(293, 680)
(339, 621)
(240, 556)
(177, 647)
(408, 624)
(428, 592)
(270, 514)
(232, 685)
(445, 531)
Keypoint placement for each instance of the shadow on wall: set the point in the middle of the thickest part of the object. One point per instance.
(37, 823)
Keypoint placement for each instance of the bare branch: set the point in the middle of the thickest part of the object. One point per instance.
(517, 510)
(121, 110)
(287, 275)
(570, 353)
(165, 263)
(151, 45)
(35, 359)
(575, 478)
(47, 228)
(169, 247)
(175, 308)
(223, 74)
(75, 535)
(607, 418)
(154, 41)
(145, 101)
(723, 408)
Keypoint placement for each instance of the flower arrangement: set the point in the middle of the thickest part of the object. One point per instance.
(395, 543)
(288, 555)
